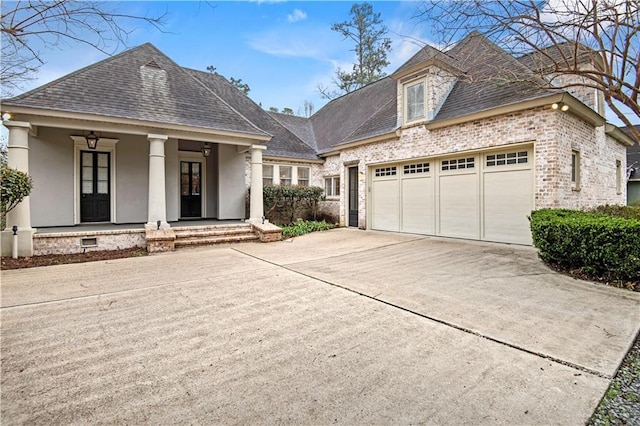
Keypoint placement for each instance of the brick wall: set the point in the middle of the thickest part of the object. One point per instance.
(71, 242)
(552, 134)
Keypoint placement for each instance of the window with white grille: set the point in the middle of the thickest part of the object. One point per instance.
(507, 158)
(386, 171)
(412, 169)
(459, 163)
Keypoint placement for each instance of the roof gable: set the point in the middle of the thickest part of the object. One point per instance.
(140, 84)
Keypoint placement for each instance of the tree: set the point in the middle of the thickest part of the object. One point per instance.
(562, 36)
(273, 109)
(30, 27)
(307, 109)
(243, 87)
(367, 31)
(14, 186)
(287, 110)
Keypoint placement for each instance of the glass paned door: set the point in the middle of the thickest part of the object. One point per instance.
(95, 200)
(353, 196)
(190, 189)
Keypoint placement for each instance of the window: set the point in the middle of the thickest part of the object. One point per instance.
(575, 169)
(457, 164)
(508, 158)
(415, 101)
(386, 171)
(267, 175)
(332, 186)
(303, 176)
(411, 169)
(619, 176)
(285, 175)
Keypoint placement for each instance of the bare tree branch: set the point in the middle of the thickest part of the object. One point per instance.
(566, 44)
(31, 27)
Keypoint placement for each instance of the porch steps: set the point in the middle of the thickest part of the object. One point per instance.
(187, 236)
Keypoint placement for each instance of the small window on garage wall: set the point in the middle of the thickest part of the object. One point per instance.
(575, 169)
(303, 176)
(267, 175)
(285, 175)
(332, 186)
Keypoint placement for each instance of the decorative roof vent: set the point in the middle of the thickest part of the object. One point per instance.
(152, 64)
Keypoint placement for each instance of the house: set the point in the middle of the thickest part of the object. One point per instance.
(444, 146)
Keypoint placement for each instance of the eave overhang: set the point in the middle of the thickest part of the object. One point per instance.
(101, 123)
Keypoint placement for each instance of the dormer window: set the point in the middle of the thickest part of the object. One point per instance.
(415, 101)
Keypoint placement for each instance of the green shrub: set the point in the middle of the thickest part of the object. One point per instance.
(600, 245)
(14, 186)
(284, 204)
(628, 212)
(304, 227)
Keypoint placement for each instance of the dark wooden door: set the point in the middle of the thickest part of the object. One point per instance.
(95, 203)
(190, 189)
(353, 196)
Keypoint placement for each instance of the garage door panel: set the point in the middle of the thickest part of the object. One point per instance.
(386, 203)
(459, 206)
(418, 205)
(508, 200)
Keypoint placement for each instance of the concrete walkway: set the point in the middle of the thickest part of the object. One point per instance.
(343, 326)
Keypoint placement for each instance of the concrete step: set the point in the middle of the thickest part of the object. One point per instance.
(221, 239)
(205, 233)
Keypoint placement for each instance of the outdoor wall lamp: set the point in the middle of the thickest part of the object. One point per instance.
(560, 106)
(206, 149)
(92, 140)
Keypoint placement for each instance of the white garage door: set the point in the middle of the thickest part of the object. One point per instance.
(484, 196)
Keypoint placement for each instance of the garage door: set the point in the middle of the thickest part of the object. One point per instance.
(486, 196)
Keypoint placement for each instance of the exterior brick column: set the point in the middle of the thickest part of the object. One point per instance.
(157, 210)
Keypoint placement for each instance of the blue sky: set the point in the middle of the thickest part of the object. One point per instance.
(283, 50)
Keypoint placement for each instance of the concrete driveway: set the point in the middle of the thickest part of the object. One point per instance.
(342, 326)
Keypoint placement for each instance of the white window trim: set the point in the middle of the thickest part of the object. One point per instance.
(104, 145)
(297, 179)
(273, 171)
(324, 182)
(194, 157)
(405, 100)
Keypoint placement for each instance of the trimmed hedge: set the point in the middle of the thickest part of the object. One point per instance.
(600, 245)
(283, 205)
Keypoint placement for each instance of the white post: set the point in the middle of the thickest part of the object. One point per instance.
(157, 210)
(256, 208)
(20, 215)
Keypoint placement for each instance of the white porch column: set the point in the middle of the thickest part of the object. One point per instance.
(18, 158)
(157, 210)
(256, 208)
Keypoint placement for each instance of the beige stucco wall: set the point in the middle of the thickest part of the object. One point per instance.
(231, 186)
(51, 168)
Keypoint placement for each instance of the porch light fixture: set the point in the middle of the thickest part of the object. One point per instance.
(206, 149)
(560, 106)
(92, 140)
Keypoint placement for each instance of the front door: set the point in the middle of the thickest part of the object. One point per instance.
(190, 187)
(353, 196)
(95, 204)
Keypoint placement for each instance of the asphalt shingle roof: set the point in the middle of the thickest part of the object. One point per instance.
(333, 123)
(140, 84)
(284, 143)
(486, 84)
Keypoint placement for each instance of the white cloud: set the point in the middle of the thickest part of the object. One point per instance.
(294, 41)
(297, 15)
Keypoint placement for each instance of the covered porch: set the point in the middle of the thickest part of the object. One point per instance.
(130, 182)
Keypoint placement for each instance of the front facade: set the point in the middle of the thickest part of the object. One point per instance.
(427, 150)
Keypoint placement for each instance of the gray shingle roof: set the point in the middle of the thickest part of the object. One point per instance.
(140, 84)
(489, 81)
(427, 53)
(568, 55)
(333, 123)
(284, 142)
(300, 126)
